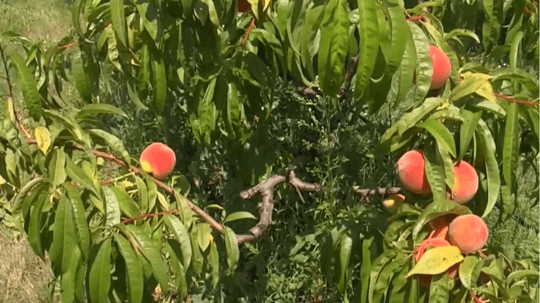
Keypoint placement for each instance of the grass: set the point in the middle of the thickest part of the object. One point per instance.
(24, 277)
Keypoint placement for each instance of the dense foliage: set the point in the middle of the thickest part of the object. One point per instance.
(234, 80)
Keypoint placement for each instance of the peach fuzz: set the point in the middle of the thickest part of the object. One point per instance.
(469, 233)
(441, 67)
(465, 182)
(158, 159)
(411, 172)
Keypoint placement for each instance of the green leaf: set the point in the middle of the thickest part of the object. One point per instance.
(439, 290)
(99, 280)
(160, 84)
(134, 273)
(233, 253)
(101, 108)
(34, 226)
(468, 127)
(424, 65)
(436, 209)
(435, 174)
(365, 268)
(510, 73)
(368, 28)
(376, 268)
(149, 15)
(386, 275)
(80, 218)
(487, 142)
(112, 209)
(143, 194)
(441, 134)
(179, 272)
(203, 235)
(28, 87)
(406, 70)
(469, 271)
(114, 142)
(152, 191)
(520, 274)
(64, 249)
(334, 45)
(57, 167)
(398, 41)
(80, 77)
(76, 9)
(197, 259)
(240, 215)
(344, 257)
(78, 175)
(126, 204)
(21, 205)
(492, 23)
(213, 261)
(509, 160)
(182, 236)
(118, 18)
(152, 254)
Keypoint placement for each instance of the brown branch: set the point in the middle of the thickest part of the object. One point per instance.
(149, 215)
(364, 193)
(514, 100)
(266, 206)
(246, 34)
(68, 45)
(8, 80)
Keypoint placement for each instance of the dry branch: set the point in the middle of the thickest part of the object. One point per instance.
(266, 206)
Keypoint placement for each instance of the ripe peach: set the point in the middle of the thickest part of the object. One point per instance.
(440, 226)
(411, 172)
(158, 159)
(441, 67)
(392, 202)
(469, 233)
(243, 6)
(465, 182)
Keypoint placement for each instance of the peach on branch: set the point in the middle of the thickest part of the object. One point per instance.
(158, 159)
(469, 233)
(441, 67)
(465, 182)
(412, 174)
(392, 202)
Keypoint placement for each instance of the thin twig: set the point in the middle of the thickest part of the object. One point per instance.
(246, 34)
(514, 100)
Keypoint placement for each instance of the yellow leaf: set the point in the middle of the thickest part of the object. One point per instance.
(11, 109)
(163, 201)
(43, 138)
(486, 91)
(2, 180)
(437, 260)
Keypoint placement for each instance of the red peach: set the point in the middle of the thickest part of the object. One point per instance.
(158, 159)
(465, 182)
(411, 172)
(469, 233)
(441, 67)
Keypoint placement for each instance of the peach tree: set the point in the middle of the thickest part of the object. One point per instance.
(460, 71)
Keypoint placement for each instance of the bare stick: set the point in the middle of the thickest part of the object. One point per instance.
(266, 206)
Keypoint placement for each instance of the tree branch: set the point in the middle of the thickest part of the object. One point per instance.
(266, 206)
(514, 100)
